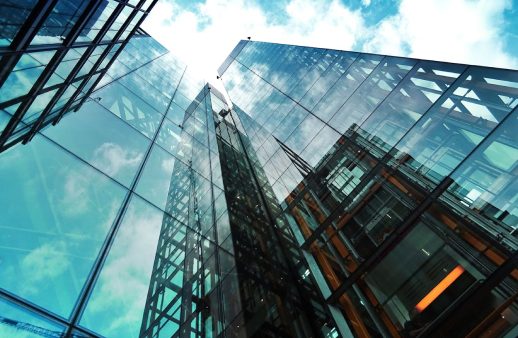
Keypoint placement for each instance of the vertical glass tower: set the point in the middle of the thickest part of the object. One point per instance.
(326, 194)
(398, 181)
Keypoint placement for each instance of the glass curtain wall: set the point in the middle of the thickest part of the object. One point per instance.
(397, 178)
(110, 221)
(54, 53)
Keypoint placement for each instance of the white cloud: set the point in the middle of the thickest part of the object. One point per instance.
(43, 263)
(126, 272)
(206, 36)
(111, 158)
(457, 31)
(463, 31)
(167, 165)
(75, 197)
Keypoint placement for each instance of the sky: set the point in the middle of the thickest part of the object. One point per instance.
(204, 32)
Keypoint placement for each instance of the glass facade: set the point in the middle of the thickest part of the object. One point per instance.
(329, 194)
(397, 178)
(54, 53)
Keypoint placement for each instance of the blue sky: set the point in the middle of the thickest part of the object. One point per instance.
(483, 32)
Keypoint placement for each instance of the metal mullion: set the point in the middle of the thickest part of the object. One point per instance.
(386, 246)
(103, 252)
(382, 163)
(67, 106)
(22, 98)
(103, 71)
(474, 293)
(49, 70)
(33, 308)
(9, 103)
(409, 222)
(26, 33)
(82, 61)
(80, 44)
(271, 223)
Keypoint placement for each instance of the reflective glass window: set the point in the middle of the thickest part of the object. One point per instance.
(38, 105)
(12, 16)
(129, 107)
(486, 184)
(19, 83)
(147, 92)
(371, 93)
(103, 140)
(420, 278)
(126, 271)
(407, 103)
(65, 66)
(117, 24)
(290, 123)
(56, 214)
(456, 124)
(304, 133)
(169, 136)
(320, 146)
(97, 20)
(158, 177)
(17, 322)
(176, 113)
(340, 65)
(60, 22)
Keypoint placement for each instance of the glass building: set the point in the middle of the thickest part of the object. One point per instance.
(395, 178)
(52, 55)
(326, 194)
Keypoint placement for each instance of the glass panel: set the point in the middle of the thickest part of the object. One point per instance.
(126, 272)
(38, 105)
(176, 114)
(485, 187)
(407, 103)
(147, 92)
(129, 107)
(371, 93)
(97, 21)
(158, 177)
(117, 24)
(456, 124)
(290, 123)
(321, 146)
(26, 61)
(56, 214)
(419, 278)
(182, 101)
(19, 83)
(59, 23)
(102, 140)
(335, 71)
(13, 14)
(169, 136)
(132, 24)
(65, 66)
(17, 322)
(304, 133)
(117, 69)
(335, 97)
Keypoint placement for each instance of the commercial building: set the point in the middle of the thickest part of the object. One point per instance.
(397, 178)
(53, 54)
(331, 194)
